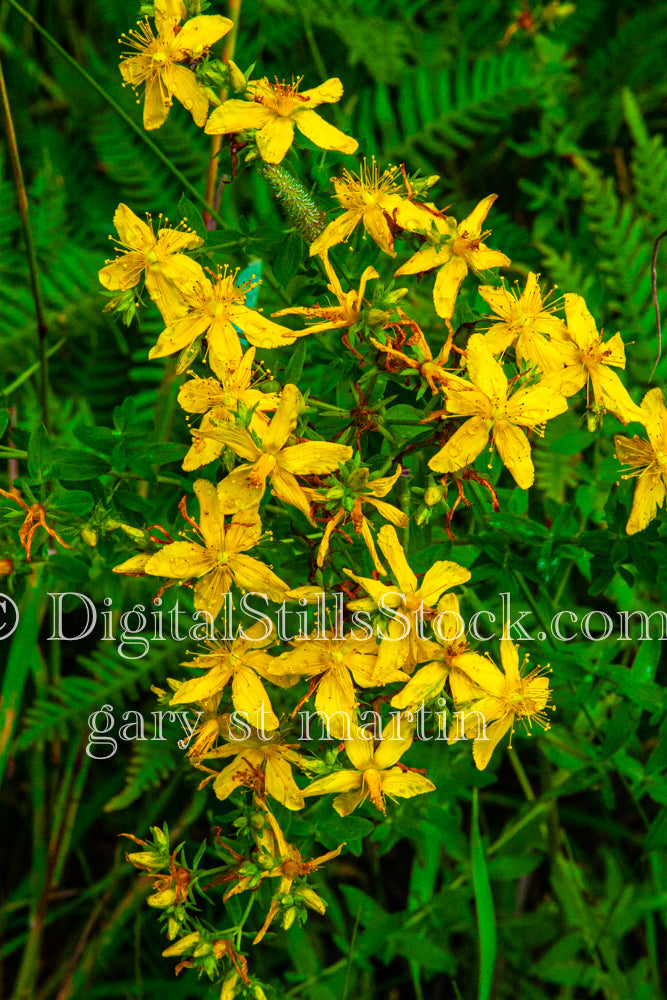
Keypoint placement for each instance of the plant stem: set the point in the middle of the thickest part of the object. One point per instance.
(22, 196)
(216, 140)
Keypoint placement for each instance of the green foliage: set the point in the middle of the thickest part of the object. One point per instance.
(556, 853)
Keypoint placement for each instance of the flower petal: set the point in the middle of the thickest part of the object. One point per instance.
(323, 134)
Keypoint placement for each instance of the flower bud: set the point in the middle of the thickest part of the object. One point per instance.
(161, 900)
(6, 567)
(310, 898)
(180, 947)
(229, 984)
(237, 81)
(433, 494)
(89, 536)
(289, 917)
(423, 515)
(172, 928)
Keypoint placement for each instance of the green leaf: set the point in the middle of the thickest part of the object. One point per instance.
(189, 212)
(74, 465)
(486, 920)
(39, 455)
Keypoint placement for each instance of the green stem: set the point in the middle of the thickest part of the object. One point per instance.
(189, 187)
(24, 376)
(22, 196)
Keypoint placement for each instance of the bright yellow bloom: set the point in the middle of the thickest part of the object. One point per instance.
(648, 460)
(158, 61)
(454, 249)
(239, 661)
(274, 109)
(452, 659)
(259, 758)
(526, 322)
(215, 308)
(587, 363)
(345, 314)
(218, 399)
(356, 490)
(511, 698)
(168, 271)
(486, 400)
(375, 774)
(336, 663)
(221, 560)
(396, 649)
(371, 199)
(244, 487)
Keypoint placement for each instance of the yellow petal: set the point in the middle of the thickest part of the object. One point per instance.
(654, 418)
(236, 493)
(649, 495)
(180, 561)
(251, 574)
(284, 419)
(514, 449)
(580, 323)
(396, 739)
(395, 555)
(447, 284)
(211, 522)
(237, 116)
(211, 589)
(463, 447)
(484, 370)
(157, 103)
(274, 139)
(472, 224)
(281, 785)
(252, 701)
(186, 89)
(323, 134)
(314, 457)
(439, 577)
(201, 32)
(405, 784)
(325, 93)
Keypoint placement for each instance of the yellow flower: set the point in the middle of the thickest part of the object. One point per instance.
(355, 491)
(452, 659)
(486, 400)
(271, 459)
(345, 314)
(454, 249)
(371, 199)
(239, 661)
(274, 109)
(159, 256)
(215, 308)
(221, 560)
(375, 774)
(587, 363)
(511, 698)
(526, 322)
(259, 758)
(219, 401)
(648, 460)
(158, 59)
(335, 663)
(406, 652)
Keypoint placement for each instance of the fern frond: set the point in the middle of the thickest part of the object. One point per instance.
(151, 762)
(70, 702)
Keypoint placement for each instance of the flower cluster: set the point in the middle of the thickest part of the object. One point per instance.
(490, 385)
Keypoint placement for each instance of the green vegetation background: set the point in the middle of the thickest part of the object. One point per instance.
(567, 125)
